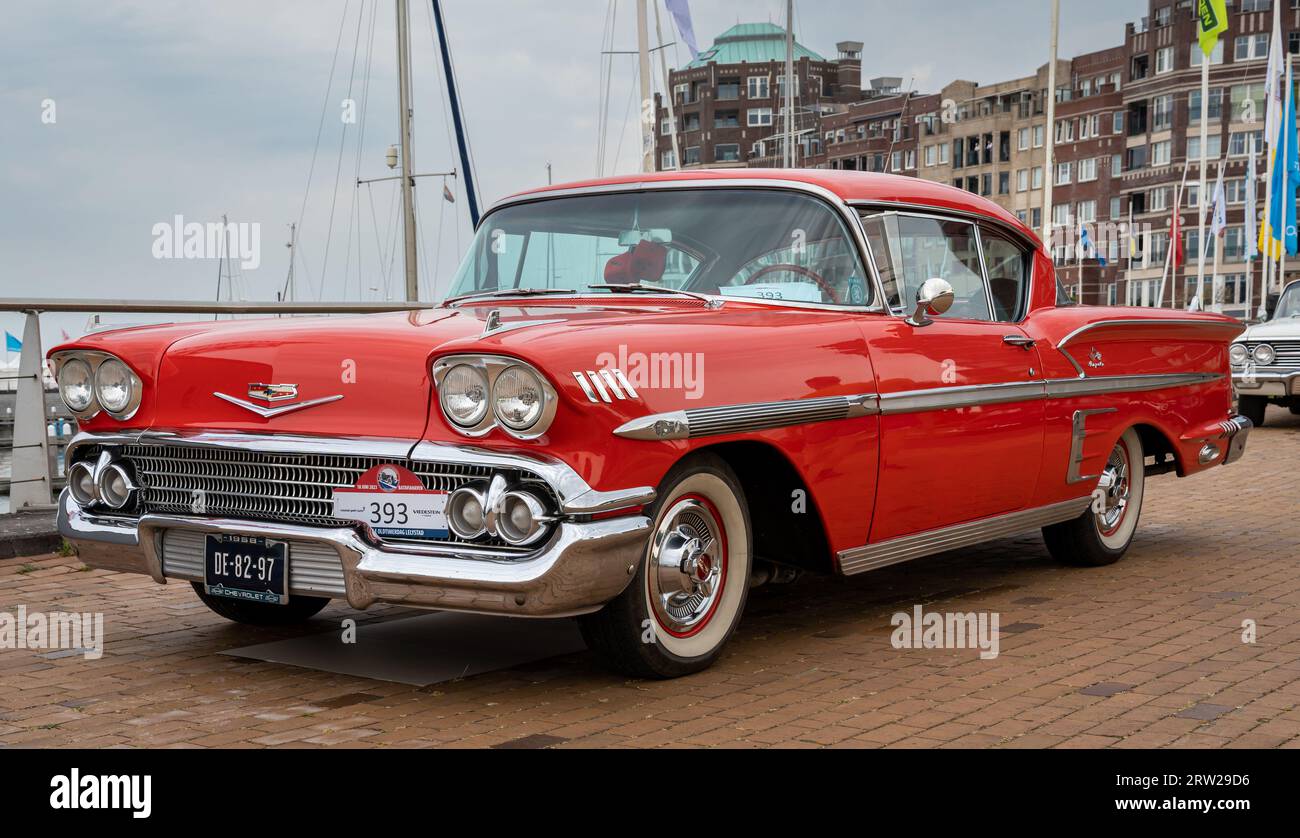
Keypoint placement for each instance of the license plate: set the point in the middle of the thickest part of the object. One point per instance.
(400, 515)
(246, 567)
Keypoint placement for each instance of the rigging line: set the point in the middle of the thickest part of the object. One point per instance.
(602, 59)
(608, 46)
(338, 167)
(442, 214)
(424, 251)
(379, 248)
(627, 115)
(329, 85)
(392, 241)
(354, 210)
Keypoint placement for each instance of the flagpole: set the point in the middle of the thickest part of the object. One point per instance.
(1270, 88)
(1200, 195)
(1169, 250)
(1049, 175)
(1215, 305)
(1288, 137)
(1250, 240)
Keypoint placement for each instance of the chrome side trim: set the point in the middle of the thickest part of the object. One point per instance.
(1235, 328)
(758, 416)
(908, 547)
(1078, 434)
(742, 418)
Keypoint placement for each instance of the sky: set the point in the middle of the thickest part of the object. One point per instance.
(118, 116)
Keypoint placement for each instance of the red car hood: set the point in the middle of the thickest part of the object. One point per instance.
(374, 371)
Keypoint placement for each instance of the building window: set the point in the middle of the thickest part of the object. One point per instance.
(1117, 124)
(726, 153)
(1161, 17)
(943, 155)
(1216, 104)
(1087, 170)
(896, 161)
(1114, 209)
(1061, 215)
(1241, 94)
(1165, 60)
(1213, 149)
(1215, 58)
(690, 122)
(1162, 112)
(1239, 142)
(758, 116)
(1250, 47)
(758, 87)
(1022, 180)
(1038, 177)
(1235, 190)
(692, 156)
(1157, 199)
(1087, 212)
(930, 155)
(1037, 215)
(986, 184)
(1116, 165)
(1063, 173)
(1064, 131)
(909, 160)
(1160, 153)
(728, 89)
(666, 126)
(1004, 183)
(1024, 139)
(667, 160)
(1038, 136)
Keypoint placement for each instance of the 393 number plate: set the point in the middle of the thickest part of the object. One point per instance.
(392, 501)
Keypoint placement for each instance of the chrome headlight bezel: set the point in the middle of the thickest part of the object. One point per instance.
(483, 410)
(492, 366)
(1263, 354)
(66, 367)
(95, 359)
(1238, 354)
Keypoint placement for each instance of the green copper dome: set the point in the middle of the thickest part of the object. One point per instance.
(753, 42)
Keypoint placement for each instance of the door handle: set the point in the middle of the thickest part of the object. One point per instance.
(1018, 340)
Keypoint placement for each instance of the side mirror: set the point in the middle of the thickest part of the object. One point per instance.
(933, 297)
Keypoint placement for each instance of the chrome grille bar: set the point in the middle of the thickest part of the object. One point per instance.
(279, 486)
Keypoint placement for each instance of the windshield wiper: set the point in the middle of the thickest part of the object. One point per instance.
(633, 287)
(509, 292)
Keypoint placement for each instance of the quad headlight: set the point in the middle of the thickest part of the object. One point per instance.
(463, 393)
(92, 381)
(1263, 354)
(76, 385)
(1238, 354)
(481, 392)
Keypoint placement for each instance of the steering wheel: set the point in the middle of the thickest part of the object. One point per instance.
(817, 278)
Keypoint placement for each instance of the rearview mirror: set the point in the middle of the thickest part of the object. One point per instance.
(933, 297)
(628, 238)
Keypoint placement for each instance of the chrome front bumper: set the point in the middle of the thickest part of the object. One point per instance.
(583, 566)
(586, 561)
(1273, 383)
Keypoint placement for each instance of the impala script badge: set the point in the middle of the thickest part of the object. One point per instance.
(1094, 359)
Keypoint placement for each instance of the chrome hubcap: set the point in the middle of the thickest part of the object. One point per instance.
(1115, 484)
(685, 576)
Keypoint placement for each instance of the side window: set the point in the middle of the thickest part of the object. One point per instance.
(1008, 264)
(909, 249)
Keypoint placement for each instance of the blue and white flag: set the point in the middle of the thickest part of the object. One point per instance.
(681, 12)
(1085, 243)
(12, 344)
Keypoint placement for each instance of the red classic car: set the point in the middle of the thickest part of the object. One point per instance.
(641, 397)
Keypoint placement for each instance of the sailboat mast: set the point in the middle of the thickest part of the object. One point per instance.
(647, 101)
(404, 105)
(471, 196)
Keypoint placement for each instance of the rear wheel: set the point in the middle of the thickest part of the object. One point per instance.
(297, 610)
(1102, 534)
(1253, 408)
(690, 586)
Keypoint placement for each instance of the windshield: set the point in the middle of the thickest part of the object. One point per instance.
(1289, 304)
(766, 244)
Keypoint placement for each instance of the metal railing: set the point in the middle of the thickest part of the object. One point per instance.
(31, 480)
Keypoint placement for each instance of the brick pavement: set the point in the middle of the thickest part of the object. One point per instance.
(1145, 653)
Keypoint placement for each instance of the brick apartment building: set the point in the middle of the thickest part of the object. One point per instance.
(1127, 121)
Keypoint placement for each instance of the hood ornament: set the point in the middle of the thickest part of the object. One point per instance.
(274, 393)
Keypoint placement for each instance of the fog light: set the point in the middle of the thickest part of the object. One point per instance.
(1209, 453)
(81, 483)
(522, 518)
(115, 486)
(465, 513)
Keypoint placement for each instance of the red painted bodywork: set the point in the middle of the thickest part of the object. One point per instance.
(869, 478)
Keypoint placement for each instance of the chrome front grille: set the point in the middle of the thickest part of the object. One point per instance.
(314, 568)
(1288, 352)
(296, 488)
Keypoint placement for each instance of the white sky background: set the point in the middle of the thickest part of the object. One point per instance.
(200, 109)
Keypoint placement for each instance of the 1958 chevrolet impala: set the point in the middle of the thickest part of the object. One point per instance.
(642, 396)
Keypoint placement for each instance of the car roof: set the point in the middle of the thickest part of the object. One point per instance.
(848, 185)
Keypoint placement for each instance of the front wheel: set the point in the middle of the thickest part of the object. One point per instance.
(691, 584)
(1102, 534)
(1253, 408)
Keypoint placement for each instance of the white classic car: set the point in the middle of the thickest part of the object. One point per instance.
(1266, 360)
